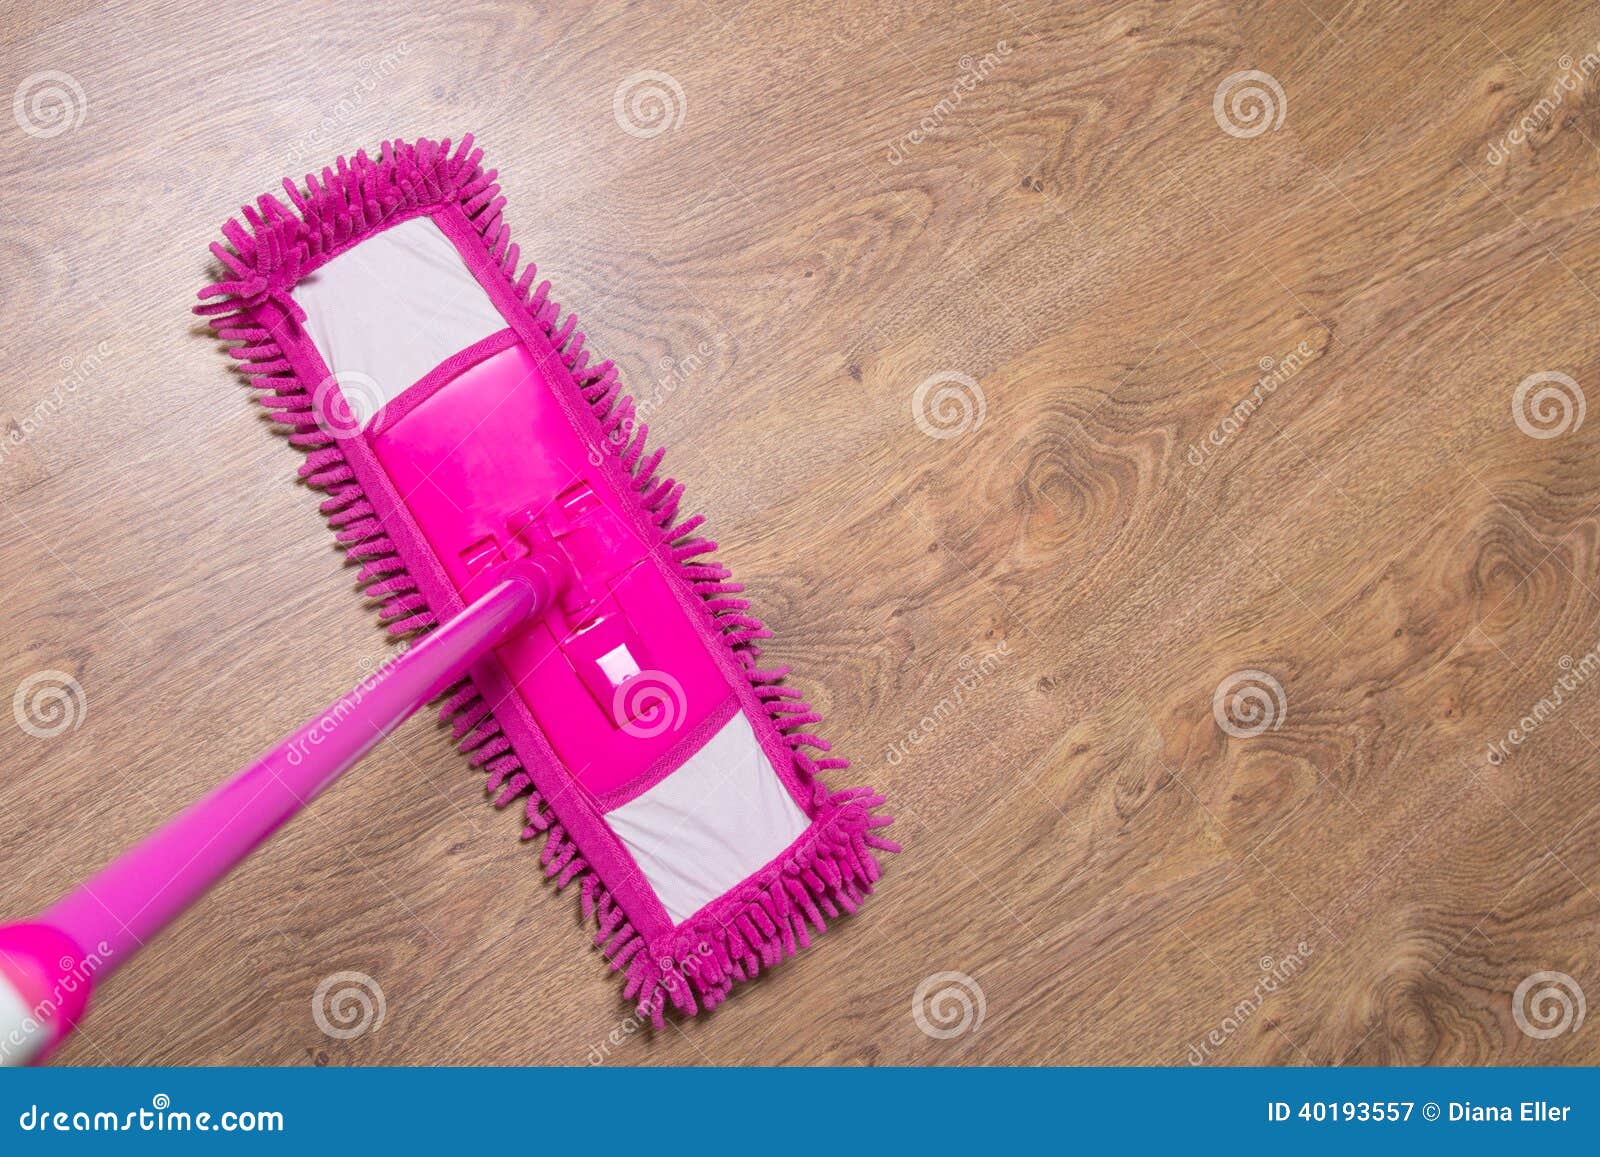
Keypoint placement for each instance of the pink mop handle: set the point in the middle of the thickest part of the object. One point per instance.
(48, 965)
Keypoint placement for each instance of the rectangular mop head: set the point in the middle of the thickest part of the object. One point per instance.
(457, 423)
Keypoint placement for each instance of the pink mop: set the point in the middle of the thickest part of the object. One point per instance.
(492, 483)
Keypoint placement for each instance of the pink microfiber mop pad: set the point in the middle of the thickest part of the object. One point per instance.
(457, 421)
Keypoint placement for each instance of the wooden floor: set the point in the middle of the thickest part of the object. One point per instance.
(1133, 458)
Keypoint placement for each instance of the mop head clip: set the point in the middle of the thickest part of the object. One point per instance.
(458, 423)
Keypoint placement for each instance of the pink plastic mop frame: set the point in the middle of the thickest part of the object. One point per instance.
(832, 866)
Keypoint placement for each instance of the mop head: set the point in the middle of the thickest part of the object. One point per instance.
(456, 421)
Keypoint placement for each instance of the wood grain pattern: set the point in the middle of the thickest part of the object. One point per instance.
(1016, 632)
